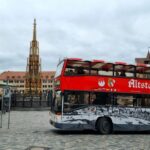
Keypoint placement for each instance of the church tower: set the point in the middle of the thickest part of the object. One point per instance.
(33, 82)
(145, 60)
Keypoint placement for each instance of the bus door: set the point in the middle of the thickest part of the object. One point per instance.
(79, 106)
(56, 105)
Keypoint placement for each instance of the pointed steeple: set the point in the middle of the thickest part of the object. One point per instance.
(148, 54)
(34, 30)
(34, 45)
(33, 75)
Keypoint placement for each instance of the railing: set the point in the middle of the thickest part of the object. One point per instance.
(20, 100)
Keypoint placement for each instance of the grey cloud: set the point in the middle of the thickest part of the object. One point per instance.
(91, 29)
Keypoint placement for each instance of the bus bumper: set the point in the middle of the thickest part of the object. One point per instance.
(56, 125)
(65, 126)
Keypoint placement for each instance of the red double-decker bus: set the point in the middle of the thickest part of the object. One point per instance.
(101, 95)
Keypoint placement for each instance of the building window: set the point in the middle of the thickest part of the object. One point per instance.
(44, 81)
(16, 81)
(21, 81)
(10, 81)
(50, 81)
(52, 77)
(44, 86)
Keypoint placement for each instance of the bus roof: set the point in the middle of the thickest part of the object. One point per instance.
(108, 65)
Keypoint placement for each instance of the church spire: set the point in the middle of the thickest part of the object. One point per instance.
(34, 30)
(148, 54)
(34, 46)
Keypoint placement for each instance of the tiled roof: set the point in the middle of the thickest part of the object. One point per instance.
(20, 75)
(142, 60)
(12, 75)
(47, 74)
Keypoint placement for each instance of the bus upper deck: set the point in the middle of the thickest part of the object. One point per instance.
(98, 75)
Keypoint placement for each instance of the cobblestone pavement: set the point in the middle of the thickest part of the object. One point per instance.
(31, 128)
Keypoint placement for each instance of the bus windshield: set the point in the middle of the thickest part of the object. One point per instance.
(59, 69)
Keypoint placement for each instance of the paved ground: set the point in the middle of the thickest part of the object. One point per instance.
(31, 128)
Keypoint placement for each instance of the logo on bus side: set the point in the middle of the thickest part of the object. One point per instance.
(111, 82)
(101, 83)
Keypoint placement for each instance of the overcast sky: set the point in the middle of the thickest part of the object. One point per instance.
(111, 30)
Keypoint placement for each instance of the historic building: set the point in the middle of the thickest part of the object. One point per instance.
(145, 60)
(18, 79)
(34, 80)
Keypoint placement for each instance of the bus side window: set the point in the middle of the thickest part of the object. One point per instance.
(140, 75)
(72, 99)
(148, 76)
(100, 99)
(124, 100)
(130, 74)
(94, 72)
(86, 98)
(105, 72)
(117, 74)
(69, 71)
(122, 74)
(92, 98)
(79, 70)
(145, 102)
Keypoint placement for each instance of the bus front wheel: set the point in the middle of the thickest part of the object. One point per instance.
(104, 125)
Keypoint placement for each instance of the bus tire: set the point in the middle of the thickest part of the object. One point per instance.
(104, 125)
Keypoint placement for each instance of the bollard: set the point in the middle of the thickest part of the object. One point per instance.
(9, 111)
(1, 112)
